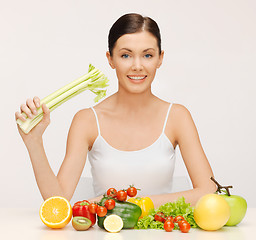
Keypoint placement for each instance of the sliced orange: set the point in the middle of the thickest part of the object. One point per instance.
(56, 212)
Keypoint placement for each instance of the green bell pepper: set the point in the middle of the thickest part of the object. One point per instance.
(129, 212)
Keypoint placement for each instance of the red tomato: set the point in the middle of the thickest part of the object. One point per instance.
(110, 204)
(131, 191)
(169, 218)
(178, 218)
(160, 217)
(101, 211)
(93, 208)
(121, 195)
(168, 226)
(111, 192)
(184, 226)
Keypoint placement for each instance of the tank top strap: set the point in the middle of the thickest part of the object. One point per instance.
(167, 115)
(97, 120)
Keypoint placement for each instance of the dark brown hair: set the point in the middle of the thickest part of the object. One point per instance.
(132, 23)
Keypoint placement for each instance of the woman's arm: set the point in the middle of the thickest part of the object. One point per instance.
(77, 146)
(81, 136)
(183, 131)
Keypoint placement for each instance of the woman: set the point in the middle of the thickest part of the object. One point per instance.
(131, 136)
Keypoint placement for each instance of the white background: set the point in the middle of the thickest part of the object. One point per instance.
(209, 67)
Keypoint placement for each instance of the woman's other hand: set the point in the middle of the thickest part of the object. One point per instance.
(96, 199)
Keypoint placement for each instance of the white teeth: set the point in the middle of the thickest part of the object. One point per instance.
(136, 78)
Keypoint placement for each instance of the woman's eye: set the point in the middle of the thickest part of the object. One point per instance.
(125, 56)
(148, 55)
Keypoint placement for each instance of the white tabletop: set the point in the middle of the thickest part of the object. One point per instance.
(26, 224)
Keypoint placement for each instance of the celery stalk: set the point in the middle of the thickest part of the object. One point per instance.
(94, 81)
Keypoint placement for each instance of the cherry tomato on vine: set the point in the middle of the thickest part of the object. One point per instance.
(111, 192)
(101, 211)
(169, 218)
(93, 208)
(184, 226)
(160, 217)
(168, 226)
(121, 195)
(178, 218)
(132, 191)
(110, 204)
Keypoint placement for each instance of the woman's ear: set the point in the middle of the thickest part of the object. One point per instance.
(161, 57)
(110, 61)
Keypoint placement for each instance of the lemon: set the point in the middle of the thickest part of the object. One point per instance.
(113, 223)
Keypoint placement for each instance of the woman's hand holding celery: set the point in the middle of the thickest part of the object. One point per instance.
(30, 110)
(35, 110)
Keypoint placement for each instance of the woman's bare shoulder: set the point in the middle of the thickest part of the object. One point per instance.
(83, 115)
(179, 110)
(84, 126)
(84, 121)
(179, 118)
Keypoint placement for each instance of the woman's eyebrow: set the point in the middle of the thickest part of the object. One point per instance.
(126, 49)
(129, 50)
(149, 49)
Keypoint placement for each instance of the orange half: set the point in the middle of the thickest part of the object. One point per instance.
(56, 212)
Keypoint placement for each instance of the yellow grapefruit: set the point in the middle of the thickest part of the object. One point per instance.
(211, 212)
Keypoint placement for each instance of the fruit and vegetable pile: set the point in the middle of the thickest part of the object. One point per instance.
(121, 209)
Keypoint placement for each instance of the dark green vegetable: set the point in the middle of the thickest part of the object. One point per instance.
(129, 212)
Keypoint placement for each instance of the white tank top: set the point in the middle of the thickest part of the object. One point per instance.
(149, 169)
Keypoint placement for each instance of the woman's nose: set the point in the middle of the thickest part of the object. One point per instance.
(137, 65)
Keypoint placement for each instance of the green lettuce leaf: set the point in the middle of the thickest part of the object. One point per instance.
(179, 207)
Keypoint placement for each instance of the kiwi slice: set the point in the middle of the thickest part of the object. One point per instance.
(81, 223)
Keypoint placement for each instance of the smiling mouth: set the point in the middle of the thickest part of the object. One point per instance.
(137, 78)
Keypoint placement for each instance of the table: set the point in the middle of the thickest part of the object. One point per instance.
(26, 224)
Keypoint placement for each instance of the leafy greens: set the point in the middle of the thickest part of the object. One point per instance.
(179, 207)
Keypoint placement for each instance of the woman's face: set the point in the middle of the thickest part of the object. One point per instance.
(136, 59)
